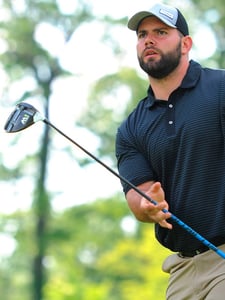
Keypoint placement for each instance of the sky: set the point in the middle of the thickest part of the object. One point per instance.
(72, 184)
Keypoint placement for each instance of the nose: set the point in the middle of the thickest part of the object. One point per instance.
(149, 40)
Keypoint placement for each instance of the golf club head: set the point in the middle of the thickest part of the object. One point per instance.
(22, 117)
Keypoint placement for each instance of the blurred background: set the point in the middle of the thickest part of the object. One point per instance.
(66, 232)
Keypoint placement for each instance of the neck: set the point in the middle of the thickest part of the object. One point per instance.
(162, 88)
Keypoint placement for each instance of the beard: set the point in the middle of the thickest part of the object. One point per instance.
(167, 64)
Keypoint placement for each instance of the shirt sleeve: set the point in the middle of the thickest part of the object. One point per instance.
(132, 165)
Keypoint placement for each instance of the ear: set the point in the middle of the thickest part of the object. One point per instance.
(186, 44)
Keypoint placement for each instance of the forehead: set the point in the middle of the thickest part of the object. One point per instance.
(151, 21)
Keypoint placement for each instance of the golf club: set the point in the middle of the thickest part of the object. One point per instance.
(25, 115)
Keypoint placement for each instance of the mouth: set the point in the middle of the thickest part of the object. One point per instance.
(149, 53)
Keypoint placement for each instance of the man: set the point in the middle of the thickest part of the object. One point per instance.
(172, 147)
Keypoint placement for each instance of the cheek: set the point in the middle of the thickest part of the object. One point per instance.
(139, 48)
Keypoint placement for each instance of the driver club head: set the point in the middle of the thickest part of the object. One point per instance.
(22, 117)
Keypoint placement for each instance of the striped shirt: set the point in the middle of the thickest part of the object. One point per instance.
(181, 143)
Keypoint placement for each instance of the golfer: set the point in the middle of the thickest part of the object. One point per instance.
(172, 147)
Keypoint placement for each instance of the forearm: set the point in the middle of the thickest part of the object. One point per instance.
(134, 202)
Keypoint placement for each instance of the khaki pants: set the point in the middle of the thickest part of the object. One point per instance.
(201, 277)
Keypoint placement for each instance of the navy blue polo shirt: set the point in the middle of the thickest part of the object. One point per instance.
(181, 143)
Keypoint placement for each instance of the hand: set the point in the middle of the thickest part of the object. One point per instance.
(154, 212)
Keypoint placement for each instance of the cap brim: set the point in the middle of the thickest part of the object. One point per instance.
(134, 21)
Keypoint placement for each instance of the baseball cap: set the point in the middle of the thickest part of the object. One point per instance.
(169, 15)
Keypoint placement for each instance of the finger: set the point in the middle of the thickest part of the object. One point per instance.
(155, 187)
(165, 224)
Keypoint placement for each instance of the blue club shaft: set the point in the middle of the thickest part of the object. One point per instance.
(198, 236)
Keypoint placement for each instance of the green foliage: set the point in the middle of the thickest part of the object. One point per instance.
(112, 97)
(90, 255)
(15, 271)
(98, 257)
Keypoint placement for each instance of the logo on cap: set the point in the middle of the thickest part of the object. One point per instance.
(166, 13)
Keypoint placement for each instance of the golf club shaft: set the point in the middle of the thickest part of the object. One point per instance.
(173, 217)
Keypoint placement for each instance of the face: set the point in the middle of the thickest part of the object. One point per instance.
(158, 47)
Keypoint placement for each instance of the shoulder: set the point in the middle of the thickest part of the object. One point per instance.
(213, 72)
(209, 78)
(126, 133)
(134, 117)
(214, 79)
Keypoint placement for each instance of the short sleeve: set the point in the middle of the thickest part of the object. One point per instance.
(132, 165)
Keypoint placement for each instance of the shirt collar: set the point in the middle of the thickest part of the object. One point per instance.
(190, 80)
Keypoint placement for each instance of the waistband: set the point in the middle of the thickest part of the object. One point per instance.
(220, 240)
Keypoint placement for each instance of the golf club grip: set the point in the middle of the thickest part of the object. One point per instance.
(173, 217)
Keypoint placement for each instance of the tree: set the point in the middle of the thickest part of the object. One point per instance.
(25, 57)
(213, 15)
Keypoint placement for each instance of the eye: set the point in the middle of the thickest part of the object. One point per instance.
(161, 32)
(142, 34)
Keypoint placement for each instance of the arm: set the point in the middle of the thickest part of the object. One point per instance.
(145, 211)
